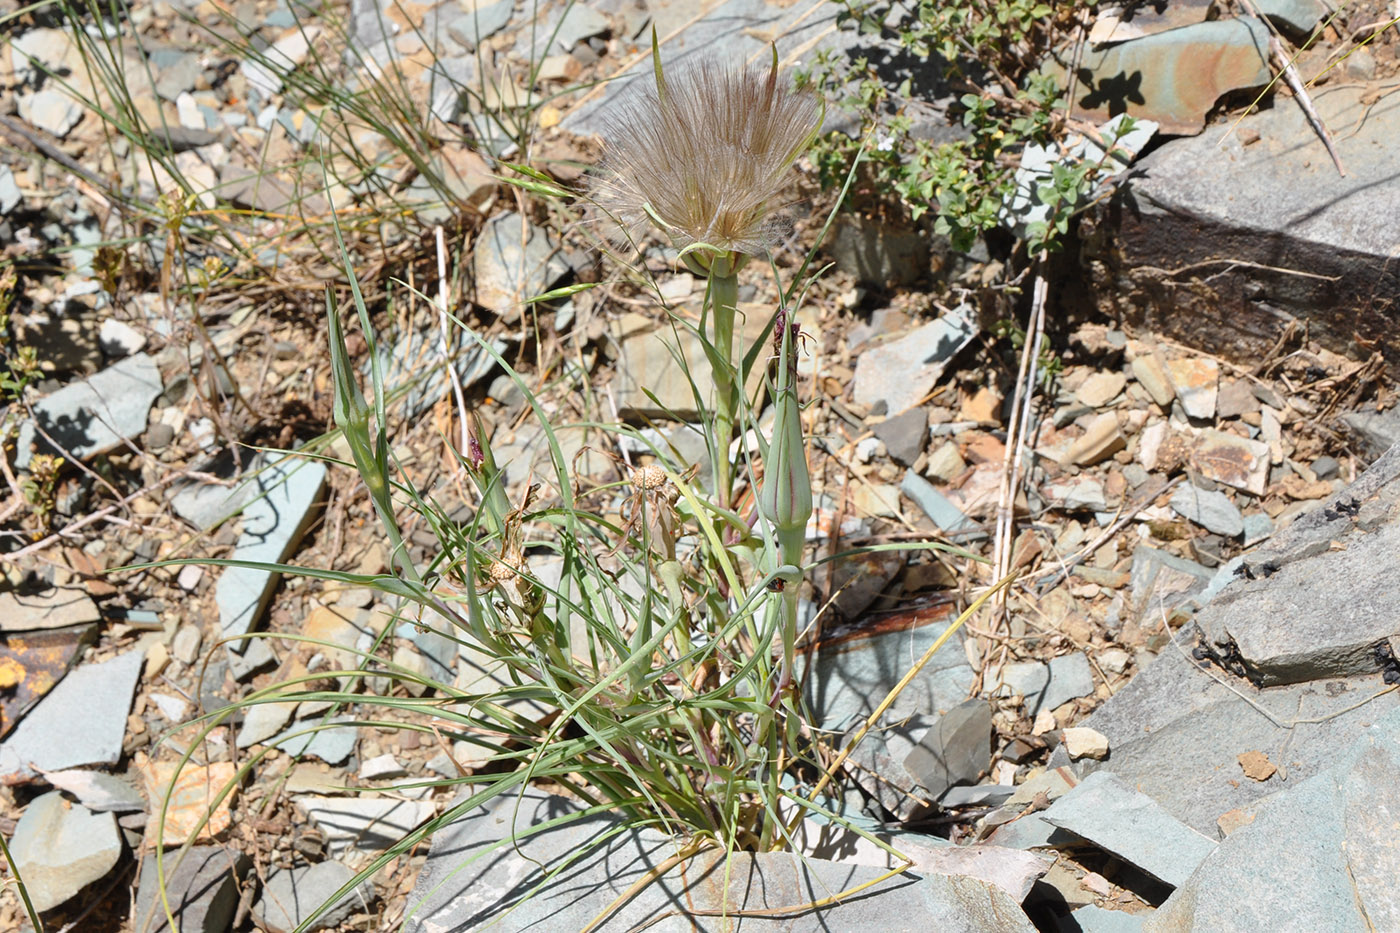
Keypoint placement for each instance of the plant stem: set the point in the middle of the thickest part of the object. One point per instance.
(724, 301)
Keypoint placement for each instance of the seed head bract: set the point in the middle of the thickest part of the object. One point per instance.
(703, 154)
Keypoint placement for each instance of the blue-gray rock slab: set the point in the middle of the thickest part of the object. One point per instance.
(852, 672)
(1092, 919)
(742, 29)
(94, 416)
(332, 741)
(59, 849)
(483, 869)
(1132, 826)
(51, 608)
(892, 377)
(1319, 856)
(1211, 509)
(1173, 78)
(940, 509)
(99, 791)
(273, 523)
(957, 749)
(292, 895)
(1297, 16)
(1321, 256)
(87, 709)
(1162, 583)
(363, 823)
(201, 886)
(512, 262)
(1070, 678)
(1316, 607)
(1176, 732)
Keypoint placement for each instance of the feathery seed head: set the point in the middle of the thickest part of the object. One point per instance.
(703, 155)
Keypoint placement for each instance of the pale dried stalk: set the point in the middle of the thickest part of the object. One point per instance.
(446, 344)
(1021, 404)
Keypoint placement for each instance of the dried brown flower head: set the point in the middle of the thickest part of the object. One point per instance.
(703, 154)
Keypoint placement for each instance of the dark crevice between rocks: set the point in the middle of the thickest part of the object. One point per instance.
(1226, 657)
(1388, 663)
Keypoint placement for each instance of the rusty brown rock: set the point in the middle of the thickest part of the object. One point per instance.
(1175, 77)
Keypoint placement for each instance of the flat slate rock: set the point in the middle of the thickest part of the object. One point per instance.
(94, 416)
(1176, 732)
(851, 673)
(201, 887)
(1319, 856)
(273, 522)
(896, 375)
(52, 608)
(60, 849)
(88, 709)
(1320, 575)
(1321, 257)
(365, 823)
(476, 872)
(1132, 826)
(744, 30)
(292, 895)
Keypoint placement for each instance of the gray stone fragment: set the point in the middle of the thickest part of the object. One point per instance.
(184, 647)
(957, 749)
(367, 824)
(1323, 852)
(272, 525)
(60, 849)
(1303, 217)
(119, 339)
(475, 874)
(292, 895)
(1212, 510)
(1161, 582)
(905, 435)
(88, 709)
(976, 795)
(514, 261)
(50, 110)
(1070, 678)
(201, 887)
(332, 743)
(947, 516)
(742, 28)
(250, 658)
(99, 791)
(1257, 527)
(1377, 431)
(1299, 16)
(579, 23)
(471, 27)
(851, 674)
(893, 376)
(1337, 607)
(1093, 919)
(414, 361)
(93, 417)
(9, 191)
(262, 722)
(51, 608)
(1132, 826)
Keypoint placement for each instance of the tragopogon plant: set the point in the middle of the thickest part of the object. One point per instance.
(704, 156)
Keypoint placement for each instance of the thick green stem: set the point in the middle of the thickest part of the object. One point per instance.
(724, 302)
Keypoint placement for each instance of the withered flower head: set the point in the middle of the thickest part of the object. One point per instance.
(704, 154)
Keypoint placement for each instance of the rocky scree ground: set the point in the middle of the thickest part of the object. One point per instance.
(1151, 728)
